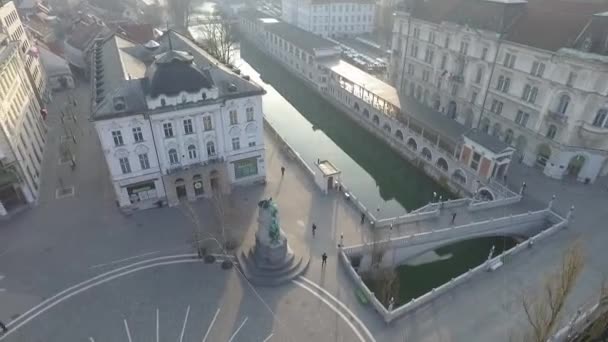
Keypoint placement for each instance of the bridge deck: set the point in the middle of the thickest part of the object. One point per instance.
(463, 216)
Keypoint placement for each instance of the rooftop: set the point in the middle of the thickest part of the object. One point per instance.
(490, 142)
(544, 24)
(433, 119)
(327, 168)
(365, 80)
(126, 70)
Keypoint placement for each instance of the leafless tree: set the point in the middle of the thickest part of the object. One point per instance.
(218, 39)
(544, 309)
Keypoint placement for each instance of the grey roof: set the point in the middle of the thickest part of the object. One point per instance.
(53, 64)
(488, 141)
(173, 72)
(122, 67)
(291, 33)
(433, 119)
(299, 37)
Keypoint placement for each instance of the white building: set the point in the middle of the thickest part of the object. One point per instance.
(533, 73)
(23, 132)
(173, 122)
(331, 17)
(10, 24)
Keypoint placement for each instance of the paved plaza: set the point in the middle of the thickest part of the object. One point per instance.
(66, 242)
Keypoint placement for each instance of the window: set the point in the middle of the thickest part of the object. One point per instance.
(432, 37)
(249, 111)
(484, 53)
(446, 44)
(474, 97)
(551, 132)
(429, 55)
(138, 135)
(124, 165)
(143, 161)
(478, 75)
(475, 161)
(236, 144)
(538, 68)
(245, 168)
(414, 52)
(496, 107)
(464, 48)
(509, 60)
(454, 89)
(188, 129)
(425, 75)
(173, 158)
(444, 61)
(416, 32)
(233, 117)
(251, 141)
(564, 101)
(522, 118)
(571, 79)
(116, 135)
(504, 83)
(207, 125)
(210, 148)
(410, 69)
(168, 128)
(192, 152)
(529, 94)
(600, 118)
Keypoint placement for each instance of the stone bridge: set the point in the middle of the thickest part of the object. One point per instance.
(398, 250)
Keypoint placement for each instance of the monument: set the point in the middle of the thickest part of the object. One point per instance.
(271, 261)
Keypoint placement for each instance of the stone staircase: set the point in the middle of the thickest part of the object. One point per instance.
(259, 272)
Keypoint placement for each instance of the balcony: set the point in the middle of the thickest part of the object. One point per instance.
(557, 117)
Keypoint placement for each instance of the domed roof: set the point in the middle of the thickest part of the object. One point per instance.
(173, 72)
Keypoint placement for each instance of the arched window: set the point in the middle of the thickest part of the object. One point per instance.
(356, 106)
(376, 120)
(366, 113)
(564, 101)
(210, 149)
(173, 158)
(192, 152)
(551, 132)
(600, 118)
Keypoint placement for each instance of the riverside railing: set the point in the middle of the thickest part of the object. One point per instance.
(390, 315)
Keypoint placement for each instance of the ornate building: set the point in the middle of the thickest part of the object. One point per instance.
(533, 73)
(173, 122)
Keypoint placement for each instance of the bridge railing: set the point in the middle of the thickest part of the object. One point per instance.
(558, 223)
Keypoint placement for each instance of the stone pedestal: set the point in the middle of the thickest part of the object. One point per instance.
(271, 261)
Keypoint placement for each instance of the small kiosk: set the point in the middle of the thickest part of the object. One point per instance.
(328, 176)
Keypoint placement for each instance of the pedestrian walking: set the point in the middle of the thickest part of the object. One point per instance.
(341, 244)
(453, 217)
(314, 229)
(4, 328)
(362, 218)
(282, 171)
(504, 178)
(324, 260)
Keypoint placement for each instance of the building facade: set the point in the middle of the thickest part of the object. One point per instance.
(174, 123)
(466, 160)
(331, 17)
(23, 133)
(11, 25)
(515, 70)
